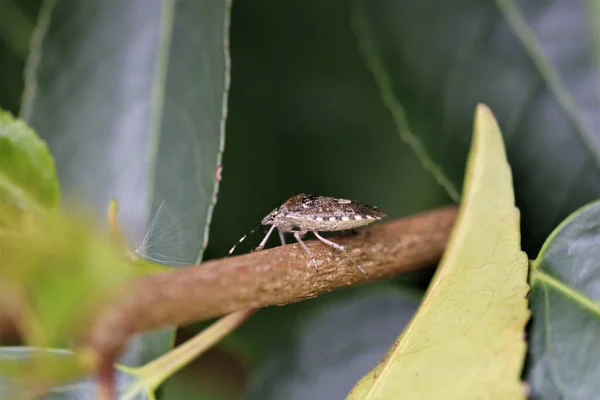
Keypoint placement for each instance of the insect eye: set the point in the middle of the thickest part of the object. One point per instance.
(307, 199)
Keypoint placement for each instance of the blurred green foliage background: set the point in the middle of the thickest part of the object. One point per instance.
(304, 117)
(305, 114)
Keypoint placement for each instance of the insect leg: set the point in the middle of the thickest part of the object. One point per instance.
(281, 237)
(298, 236)
(342, 248)
(329, 242)
(264, 241)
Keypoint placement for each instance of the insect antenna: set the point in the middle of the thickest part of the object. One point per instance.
(242, 239)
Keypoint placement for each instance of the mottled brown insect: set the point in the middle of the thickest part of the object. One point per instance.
(305, 213)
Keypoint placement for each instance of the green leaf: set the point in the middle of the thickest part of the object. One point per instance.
(130, 97)
(314, 91)
(27, 176)
(51, 365)
(334, 343)
(197, 386)
(433, 61)
(15, 28)
(57, 273)
(595, 20)
(22, 365)
(565, 302)
(17, 20)
(472, 319)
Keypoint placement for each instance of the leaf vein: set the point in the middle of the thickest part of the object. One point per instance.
(572, 294)
(529, 41)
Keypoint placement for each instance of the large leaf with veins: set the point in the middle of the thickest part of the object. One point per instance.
(130, 97)
(530, 61)
(565, 300)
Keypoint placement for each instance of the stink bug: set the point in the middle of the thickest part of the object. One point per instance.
(305, 213)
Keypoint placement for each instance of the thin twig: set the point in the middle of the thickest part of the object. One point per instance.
(276, 276)
(157, 371)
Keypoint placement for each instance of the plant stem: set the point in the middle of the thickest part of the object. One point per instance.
(153, 374)
(276, 276)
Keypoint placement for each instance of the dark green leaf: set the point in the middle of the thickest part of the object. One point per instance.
(530, 61)
(335, 345)
(565, 302)
(17, 21)
(15, 27)
(131, 98)
(304, 116)
(27, 176)
(198, 386)
(595, 18)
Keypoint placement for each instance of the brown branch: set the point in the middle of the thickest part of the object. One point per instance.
(276, 276)
(9, 332)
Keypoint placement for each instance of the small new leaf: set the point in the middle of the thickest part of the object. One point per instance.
(28, 180)
(57, 272)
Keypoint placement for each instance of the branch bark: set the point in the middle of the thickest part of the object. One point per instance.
(276, 276)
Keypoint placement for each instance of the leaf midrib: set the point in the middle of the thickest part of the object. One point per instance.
(158, 90)
(382, 81)
(577, 297)
(529, 41)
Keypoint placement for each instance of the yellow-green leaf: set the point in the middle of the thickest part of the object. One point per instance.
(57, 273)
(466, 341)
(60, 374)
(27, 174)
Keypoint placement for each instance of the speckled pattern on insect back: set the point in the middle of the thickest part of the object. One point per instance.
(305, 212)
